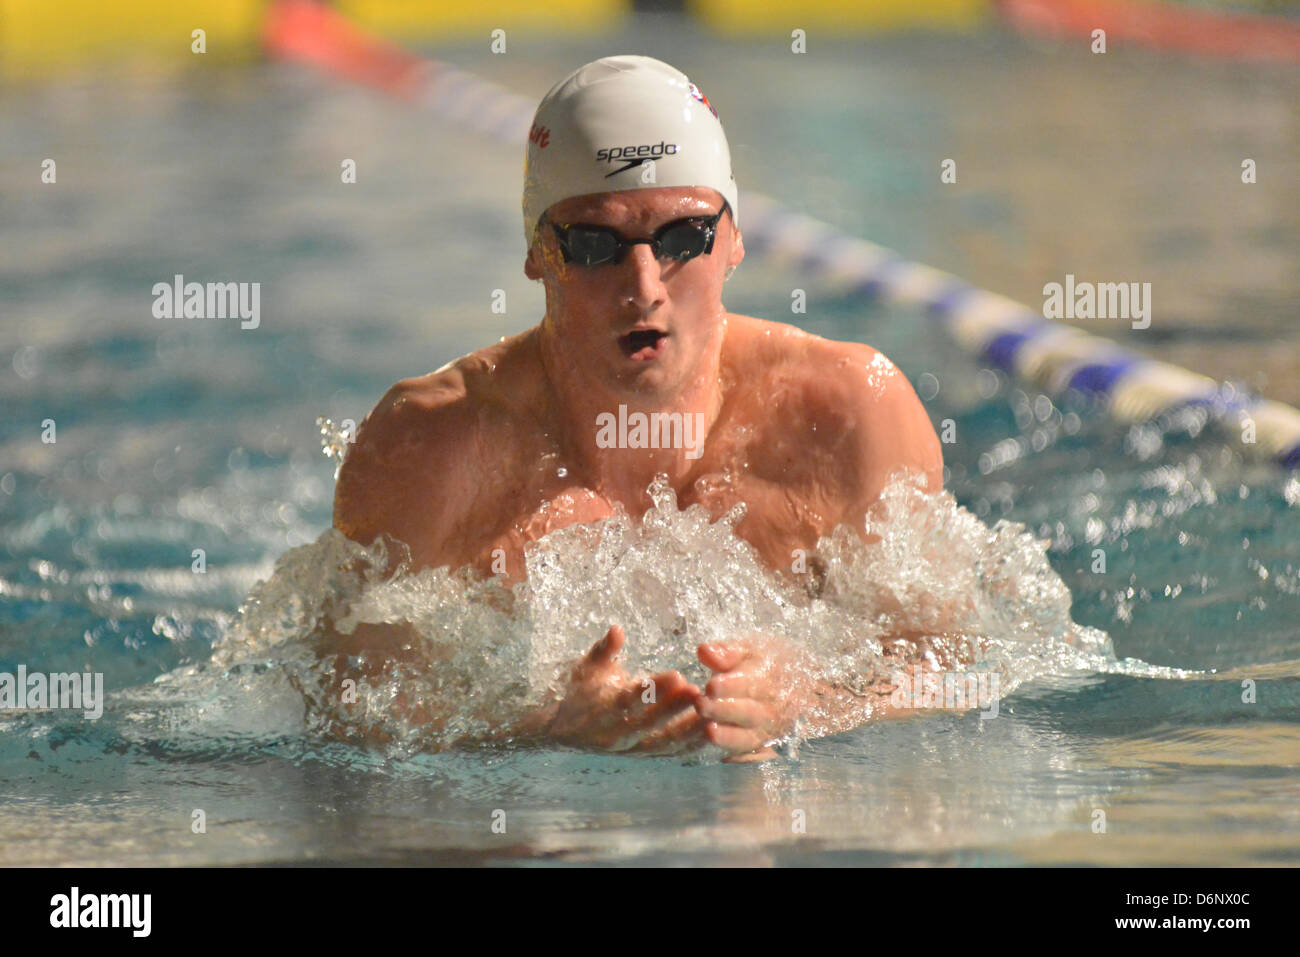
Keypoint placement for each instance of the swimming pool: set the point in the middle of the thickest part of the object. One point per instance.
(176, 435)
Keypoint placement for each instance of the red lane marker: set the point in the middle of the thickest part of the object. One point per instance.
(1163, 26)
(308, 32)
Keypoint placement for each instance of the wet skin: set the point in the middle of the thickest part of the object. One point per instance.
(468, 464)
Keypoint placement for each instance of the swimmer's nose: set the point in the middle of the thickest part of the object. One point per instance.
(644, 275)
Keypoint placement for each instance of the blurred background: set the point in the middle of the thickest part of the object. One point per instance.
(225, 165)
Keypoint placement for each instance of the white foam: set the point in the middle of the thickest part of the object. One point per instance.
(987, 596)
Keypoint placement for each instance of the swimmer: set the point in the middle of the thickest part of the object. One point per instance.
(632, 222)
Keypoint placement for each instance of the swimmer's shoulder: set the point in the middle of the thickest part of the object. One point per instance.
(441, 405)
(419, 443)
(850, 393)
(842, 372)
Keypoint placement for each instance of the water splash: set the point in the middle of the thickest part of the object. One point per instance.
(334, 440)
(478, 652)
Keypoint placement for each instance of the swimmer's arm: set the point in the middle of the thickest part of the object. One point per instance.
(895, 437)
(381, 487)
(837, 707)
(407, 475)
(905, 440)
(367, 501)
(367, 493)
(895, 432)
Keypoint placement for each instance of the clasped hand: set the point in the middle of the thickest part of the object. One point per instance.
(759, 688)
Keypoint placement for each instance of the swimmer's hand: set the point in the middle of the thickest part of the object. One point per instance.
(606, 708)
(759, 689)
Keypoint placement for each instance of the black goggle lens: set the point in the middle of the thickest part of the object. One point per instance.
(682, 240)
(685, 241)
(589, 246)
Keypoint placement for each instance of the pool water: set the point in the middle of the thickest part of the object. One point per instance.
(1163, 697)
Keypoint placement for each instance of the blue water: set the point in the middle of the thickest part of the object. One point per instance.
(175, 435)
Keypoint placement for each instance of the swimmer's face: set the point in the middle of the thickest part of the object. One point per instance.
(644, 324)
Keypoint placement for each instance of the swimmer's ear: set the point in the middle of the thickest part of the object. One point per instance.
(531, 266)
(737, 248)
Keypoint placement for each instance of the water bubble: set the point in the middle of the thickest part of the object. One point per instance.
(334, 440)
(1290, 492)
(27, 362)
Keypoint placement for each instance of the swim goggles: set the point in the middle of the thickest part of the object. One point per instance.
(682, 239)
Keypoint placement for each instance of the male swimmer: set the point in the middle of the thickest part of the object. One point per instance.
(631, 219)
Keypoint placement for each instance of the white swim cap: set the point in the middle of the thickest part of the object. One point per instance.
(598, 127)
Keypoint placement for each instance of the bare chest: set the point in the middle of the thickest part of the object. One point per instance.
(782, 521)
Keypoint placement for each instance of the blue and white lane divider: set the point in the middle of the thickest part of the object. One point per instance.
(1050, 356)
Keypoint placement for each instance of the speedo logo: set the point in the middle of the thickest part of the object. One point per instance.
(633, 156)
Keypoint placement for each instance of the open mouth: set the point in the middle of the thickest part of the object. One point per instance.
(643, 345)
